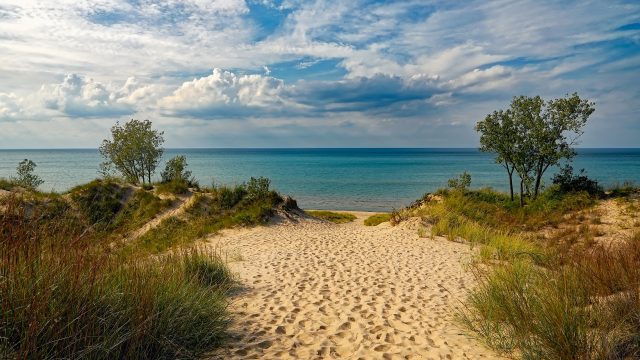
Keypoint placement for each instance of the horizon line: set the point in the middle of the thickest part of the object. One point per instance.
(301, 148)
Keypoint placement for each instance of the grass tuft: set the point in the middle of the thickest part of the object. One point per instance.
(334, 217)
(377, 219)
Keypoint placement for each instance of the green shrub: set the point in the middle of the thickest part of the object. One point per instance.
(100, 201)
(567, 181)
(258, 188)
(377, 219)
(176, 179)
(334, 217)
(229, 197)
(25, 176)
(462, 182)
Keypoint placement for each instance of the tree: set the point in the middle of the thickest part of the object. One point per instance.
(499, 133)
(25, 176)
(556, 131)
(134, 151)
(533, 135)
(175, 170)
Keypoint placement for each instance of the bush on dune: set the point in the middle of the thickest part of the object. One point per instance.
(100, 201)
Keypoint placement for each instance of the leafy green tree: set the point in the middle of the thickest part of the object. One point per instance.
(134, 150)
(533, 135)
(498, 134)
(556, 131)
(176, 170)
(25, 176)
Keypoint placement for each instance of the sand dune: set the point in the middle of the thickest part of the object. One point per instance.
(319, 290)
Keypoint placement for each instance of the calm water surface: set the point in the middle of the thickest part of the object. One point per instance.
(341, 179)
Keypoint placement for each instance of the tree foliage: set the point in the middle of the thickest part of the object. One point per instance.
(176, 170)
(25, 176)
(134, 150)
(533, 135)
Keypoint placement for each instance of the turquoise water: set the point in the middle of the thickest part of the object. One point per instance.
(341, 179)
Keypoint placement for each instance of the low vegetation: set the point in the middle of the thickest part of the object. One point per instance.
(334, 217)
(69, 290)
(247, 204)
(547, 289)
(377, 219)
(66, 295)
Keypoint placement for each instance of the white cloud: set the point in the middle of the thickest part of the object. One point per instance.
(223, 90)
(80, 96)
(483, 80)
(10, 107)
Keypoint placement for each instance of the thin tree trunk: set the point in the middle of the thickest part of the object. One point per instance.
(538, 179)
(521, 192)
(510, 183)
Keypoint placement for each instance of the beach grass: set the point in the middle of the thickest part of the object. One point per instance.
(334, 217)
(546, 289)
(64, 295)
(69, 290)
(377, 219)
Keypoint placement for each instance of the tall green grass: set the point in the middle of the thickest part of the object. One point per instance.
(64, 295)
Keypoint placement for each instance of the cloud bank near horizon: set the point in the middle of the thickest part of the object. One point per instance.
(278, 73)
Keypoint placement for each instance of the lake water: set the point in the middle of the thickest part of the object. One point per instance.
(340, 179)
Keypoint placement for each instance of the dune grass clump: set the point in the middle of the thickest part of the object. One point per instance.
(377, 219)
(334, 217)
(141, 207)
(6, 184)
(100, 201)
(63, 295)
(586, 308)
(566, 297)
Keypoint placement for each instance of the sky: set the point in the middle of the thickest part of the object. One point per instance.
(292, 73)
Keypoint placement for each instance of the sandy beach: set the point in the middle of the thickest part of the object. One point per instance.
(318, 290)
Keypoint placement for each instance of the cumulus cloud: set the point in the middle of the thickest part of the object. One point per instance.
(80, 96)
(10, 106)
(223, 93)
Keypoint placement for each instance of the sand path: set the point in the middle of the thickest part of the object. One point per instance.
(179, 206)
(315, 290)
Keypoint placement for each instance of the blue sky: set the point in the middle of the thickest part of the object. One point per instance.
(292, 73)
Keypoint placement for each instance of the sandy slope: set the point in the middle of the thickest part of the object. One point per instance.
(319, 290)
(179, 206)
